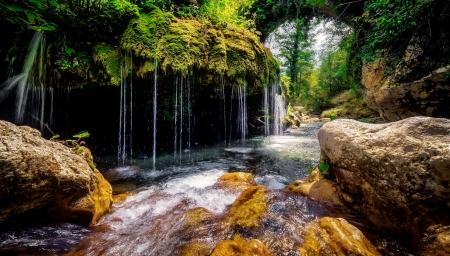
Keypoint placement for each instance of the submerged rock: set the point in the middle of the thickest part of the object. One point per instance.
(239, 246)
(317, 187)
(396, 174)
(236, 180)
(45, 180)
(335, 236)
(249, 207)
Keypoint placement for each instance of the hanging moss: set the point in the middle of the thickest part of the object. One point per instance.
(108, 56)
(182, 46)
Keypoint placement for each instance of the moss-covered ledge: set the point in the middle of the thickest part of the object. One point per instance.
(180, 46)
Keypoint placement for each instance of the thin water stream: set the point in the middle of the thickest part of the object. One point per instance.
(177, 205)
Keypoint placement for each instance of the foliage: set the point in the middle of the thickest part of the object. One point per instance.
(293, 39)
(323, 166)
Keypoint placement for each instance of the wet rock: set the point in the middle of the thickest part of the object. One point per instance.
(317, 187)
(241, 247)
(236, 180)
(436, 241)
(45, 180)
(247, 210)
(396, 174)
(196, 248)
(335, 236)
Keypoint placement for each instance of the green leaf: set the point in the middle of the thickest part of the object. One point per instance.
(323, 167)
(46, 27)
(69, 51)
(10, 20)
(14, 8)
(30, 17)
(81, 135)
(310, 169)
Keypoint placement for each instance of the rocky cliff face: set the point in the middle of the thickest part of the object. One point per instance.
(395, 174)
(45, 180)
(396, 97)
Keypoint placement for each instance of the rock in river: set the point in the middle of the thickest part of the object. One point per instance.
(396, 174)
(45, 180)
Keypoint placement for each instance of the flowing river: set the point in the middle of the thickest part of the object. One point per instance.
(178, 208)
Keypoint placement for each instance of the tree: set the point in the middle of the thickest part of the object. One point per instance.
(296, 54)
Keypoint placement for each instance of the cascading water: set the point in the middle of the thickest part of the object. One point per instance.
(242, 112)
(154, 111)
(175, 118)
(266, 112)
(274, 110)
(29, 85)
(184, 118)
(124, 149)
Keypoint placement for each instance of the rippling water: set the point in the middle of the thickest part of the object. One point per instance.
(180, 205)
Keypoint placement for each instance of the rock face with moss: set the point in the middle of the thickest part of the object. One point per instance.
(180, 46)
(45, 180)
(396, 174)
(395, 99)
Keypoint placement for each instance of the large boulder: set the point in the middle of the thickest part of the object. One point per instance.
(396, 174)
(45, 180)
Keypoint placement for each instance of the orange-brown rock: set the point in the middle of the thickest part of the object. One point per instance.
(45, 180)
(240, 247)
(396, 174)
(236, 180)
(196, 248)
(248, 208)
(317, 187)
(335, 236)
(436, 241)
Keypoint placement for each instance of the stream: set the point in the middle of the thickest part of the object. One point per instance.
(177, 206)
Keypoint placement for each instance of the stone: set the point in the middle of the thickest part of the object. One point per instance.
(396, 174)
(45, 180)
(241, 247)
(236, 181)
(335, 236)
(247, 210)
(395, 100)
(318, 188)
(436, 241)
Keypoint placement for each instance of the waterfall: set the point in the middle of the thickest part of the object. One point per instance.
(131, 106)
(266, 112)
(274, 110)
(175, 118)
(154, 111)
(125, 145)
(30, 84)
(279, 110)
(231, 113)
(189, 112)
(224, 111)
(242, 112)
(181, 116)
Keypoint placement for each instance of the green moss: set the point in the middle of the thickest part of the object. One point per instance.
(181, 46)
(108, 57)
